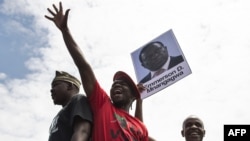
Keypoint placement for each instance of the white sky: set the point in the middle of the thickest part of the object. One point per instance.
(213, 35)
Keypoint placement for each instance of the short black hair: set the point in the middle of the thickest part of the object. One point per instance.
(147, 46)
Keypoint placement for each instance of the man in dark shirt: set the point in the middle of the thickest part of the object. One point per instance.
(73, 121)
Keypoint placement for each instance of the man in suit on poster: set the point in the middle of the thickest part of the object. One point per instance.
(155, 57)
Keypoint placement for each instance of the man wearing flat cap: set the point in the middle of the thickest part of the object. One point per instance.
(112, 121)
(73, 122)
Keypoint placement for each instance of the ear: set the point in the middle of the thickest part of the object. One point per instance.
(204, 132)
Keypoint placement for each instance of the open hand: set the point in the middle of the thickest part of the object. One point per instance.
(58, 18)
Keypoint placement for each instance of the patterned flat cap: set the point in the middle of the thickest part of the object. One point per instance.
(64, 76)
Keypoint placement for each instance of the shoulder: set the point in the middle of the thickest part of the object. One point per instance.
(146, 78)
(81, 107)
(177, 58)
(78, 97)
(98, 92)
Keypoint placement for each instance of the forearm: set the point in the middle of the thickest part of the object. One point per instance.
(73, 48)
(139, 114)
(85, 70)
(138, 110)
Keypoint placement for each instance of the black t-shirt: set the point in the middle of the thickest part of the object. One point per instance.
(61, 128)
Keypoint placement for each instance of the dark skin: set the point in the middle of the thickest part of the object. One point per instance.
(121, 95)
(154, 56)
(138, 109)
(193, 129)
(82, 130)
(61, 93)
(87, 75)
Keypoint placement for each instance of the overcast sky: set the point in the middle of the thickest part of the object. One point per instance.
(213, 35)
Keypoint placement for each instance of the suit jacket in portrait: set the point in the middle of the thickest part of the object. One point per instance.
(174, 60)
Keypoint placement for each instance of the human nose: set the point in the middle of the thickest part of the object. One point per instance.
(116, 85)
(194, 126)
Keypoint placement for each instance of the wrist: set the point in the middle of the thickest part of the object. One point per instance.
(65, 29)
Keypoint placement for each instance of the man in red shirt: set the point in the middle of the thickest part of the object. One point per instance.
(112, 121)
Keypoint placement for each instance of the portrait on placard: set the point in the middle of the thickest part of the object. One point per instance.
(159, 63)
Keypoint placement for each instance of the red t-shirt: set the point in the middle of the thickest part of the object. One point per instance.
(111, 123)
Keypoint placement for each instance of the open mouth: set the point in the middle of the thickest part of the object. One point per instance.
(193, 134)
(117, 92)
(52, 96)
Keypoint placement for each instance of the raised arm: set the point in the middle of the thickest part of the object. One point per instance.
(138, 108)
(87, 75)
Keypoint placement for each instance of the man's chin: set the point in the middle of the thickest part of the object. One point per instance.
(194, 138)
(56, 103)
(118, 104)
